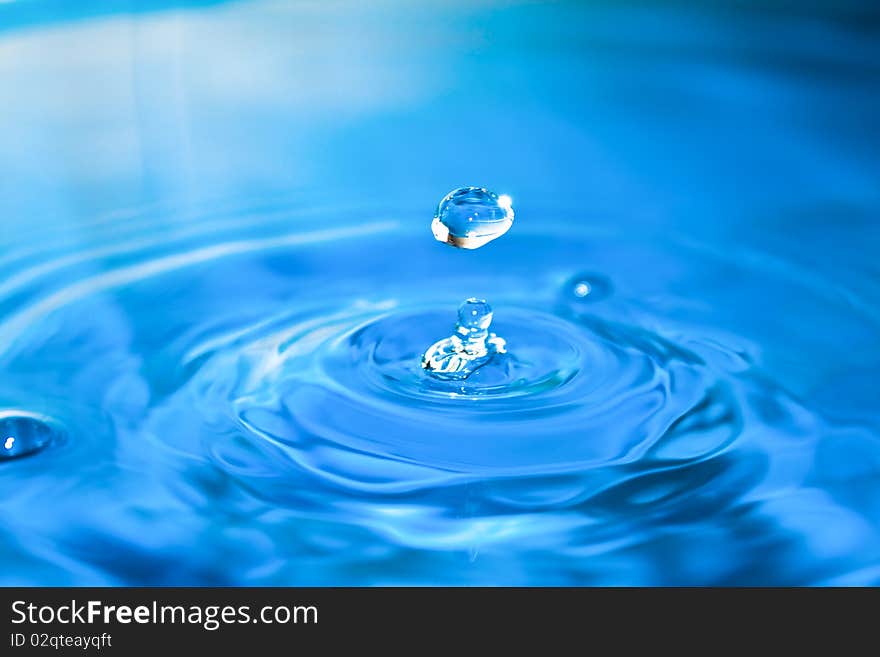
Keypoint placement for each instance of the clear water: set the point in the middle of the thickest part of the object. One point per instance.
(216, 288)
(471, 217)
(468, 349)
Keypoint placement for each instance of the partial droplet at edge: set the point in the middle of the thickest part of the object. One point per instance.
(26, 433)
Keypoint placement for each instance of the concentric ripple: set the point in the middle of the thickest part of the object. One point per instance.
(568, 398)
(245, 382)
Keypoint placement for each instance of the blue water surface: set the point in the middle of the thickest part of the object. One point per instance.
(217, 279)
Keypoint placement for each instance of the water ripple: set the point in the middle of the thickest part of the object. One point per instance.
(240, 381)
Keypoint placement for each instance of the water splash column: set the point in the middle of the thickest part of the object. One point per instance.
(468, 218)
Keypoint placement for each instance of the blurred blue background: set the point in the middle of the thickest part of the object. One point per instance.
(132, 131)
(671, 110)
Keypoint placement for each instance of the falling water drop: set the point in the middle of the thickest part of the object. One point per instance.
(469, 348)
(22, 434)
(470, 217)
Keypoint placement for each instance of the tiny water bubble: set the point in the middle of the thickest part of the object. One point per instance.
(22, 434)
(588, 288)
(470, 217)
(469, 348)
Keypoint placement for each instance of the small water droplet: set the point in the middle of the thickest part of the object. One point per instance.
(22, 434)
(470, 217)
(471, 347)
(474, 315)
(588, 287)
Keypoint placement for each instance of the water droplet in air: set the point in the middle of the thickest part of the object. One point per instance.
(22, 434)
(469, 348)
(470, 217)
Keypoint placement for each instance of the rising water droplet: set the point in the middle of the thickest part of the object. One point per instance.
(22, 434)
(469, 348)
(470, 217)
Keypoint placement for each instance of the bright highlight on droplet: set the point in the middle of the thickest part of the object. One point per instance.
(470, 217)
(25, 433)
(582, 289)
(469, 348)
(587, 288)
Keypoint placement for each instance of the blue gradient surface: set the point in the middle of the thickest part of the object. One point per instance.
(217, 277)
